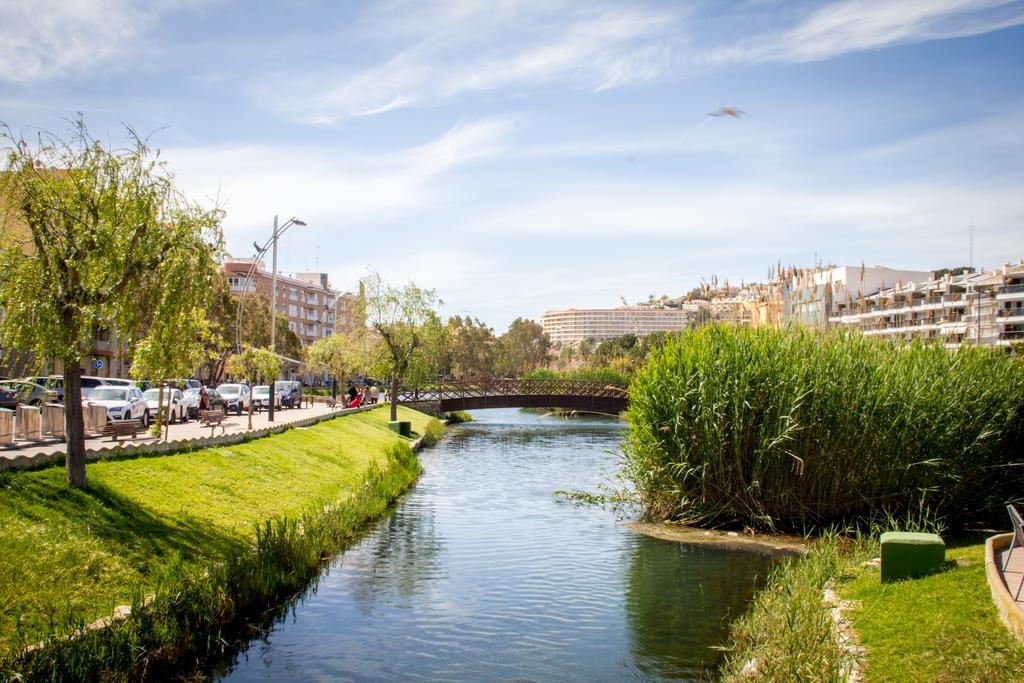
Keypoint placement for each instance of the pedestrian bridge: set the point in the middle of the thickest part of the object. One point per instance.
(570, 394)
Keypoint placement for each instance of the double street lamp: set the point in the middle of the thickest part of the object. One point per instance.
(260, 251)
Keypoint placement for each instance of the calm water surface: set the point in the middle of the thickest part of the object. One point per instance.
(481, 574)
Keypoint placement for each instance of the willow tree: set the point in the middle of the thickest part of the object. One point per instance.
(96, 230)
(398, 315)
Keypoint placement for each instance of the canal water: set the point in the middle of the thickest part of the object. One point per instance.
(481, 573)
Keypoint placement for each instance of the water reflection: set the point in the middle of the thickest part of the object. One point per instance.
(481, 574)
(679, 602)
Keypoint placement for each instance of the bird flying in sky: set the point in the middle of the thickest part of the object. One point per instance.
(730, 111)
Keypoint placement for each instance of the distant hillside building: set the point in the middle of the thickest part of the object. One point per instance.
(985, 308)
(571, 326)
(810, 296)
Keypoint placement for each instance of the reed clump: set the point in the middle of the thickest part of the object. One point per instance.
(796, 429)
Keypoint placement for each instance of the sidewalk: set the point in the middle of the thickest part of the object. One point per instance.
(233, 424)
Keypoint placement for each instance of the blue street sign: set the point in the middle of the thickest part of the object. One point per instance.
(98, 363)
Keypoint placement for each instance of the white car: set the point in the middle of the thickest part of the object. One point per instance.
(236, 397)
(190, 397)
(261, 397)
(173, 398)
(122, 403)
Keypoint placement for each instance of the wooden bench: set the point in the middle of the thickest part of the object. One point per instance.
(213, 419)
(115, 429)
(331, 403)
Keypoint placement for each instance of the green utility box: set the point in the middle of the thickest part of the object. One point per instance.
(401, 427)
(906, 554)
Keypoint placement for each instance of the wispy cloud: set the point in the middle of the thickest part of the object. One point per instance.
(42, 39)
(477, 48)
(330, 187)
(855, 25)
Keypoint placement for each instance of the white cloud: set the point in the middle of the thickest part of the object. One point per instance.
(42, 39)
(476, 48)
(329, 186)
(855, 25)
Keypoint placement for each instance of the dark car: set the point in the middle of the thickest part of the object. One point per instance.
(290, 393)
(215, 401)
(30, 393)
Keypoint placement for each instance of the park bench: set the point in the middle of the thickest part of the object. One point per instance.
(331, 403)
(115, 429)
(213, 419)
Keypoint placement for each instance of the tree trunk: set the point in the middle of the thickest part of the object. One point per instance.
(394, 399)
(74, 424)
(159, 409)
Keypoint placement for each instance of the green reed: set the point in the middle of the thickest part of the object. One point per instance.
(795, 429)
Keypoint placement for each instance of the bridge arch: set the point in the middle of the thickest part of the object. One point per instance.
(588, 396)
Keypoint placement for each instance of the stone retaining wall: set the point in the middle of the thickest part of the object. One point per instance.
(135, 450)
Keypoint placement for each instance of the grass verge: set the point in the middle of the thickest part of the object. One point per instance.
(211, 534)
(942, 627)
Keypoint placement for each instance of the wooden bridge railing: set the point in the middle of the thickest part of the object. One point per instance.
(463, 389)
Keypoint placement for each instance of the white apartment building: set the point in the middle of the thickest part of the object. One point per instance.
(810, 296)
(571, 326)
(984, 308)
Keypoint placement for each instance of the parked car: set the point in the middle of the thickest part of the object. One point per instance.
(215, 401)
(91, 383)
(290, 393)
(236, 396)
(29, 393)
(261, 397)
(122, 403)
(190, 397)
(173, 403)
(118, 382)
(54, 383)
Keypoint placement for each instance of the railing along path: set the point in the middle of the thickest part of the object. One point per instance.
(509, 392)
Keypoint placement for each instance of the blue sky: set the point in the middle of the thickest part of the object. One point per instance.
(524, 156)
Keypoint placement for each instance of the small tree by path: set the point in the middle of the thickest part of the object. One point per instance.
(337, 355)
(87, 231)
(251, 365)
(397, 314)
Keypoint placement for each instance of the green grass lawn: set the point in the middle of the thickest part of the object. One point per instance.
(64, 551)
(942, 627)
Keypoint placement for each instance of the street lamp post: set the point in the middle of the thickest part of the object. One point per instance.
(273, 300)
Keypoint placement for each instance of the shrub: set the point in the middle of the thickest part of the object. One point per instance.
(606, 375)
(793, 428)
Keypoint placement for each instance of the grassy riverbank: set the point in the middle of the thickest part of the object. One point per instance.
(153, 525)
(942, 627)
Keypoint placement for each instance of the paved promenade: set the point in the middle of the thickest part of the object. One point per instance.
(232, 424)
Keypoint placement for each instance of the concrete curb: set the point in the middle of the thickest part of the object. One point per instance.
(40, 460)
(1010, 612)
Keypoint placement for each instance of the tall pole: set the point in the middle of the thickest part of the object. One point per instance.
(273, 318)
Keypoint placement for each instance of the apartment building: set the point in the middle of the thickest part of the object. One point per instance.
(309, 302)
(985, 308)
(809, 296)
(571, 326)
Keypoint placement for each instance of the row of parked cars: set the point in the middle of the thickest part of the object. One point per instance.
(125, 400)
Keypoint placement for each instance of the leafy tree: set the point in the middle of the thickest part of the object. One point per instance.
(524, 347)
(105, 226)
(397, 315)
(222, 340)
(337, 355)
(473, 347)
(253, 364)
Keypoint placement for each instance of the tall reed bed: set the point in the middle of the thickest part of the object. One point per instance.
(606, 375)
(794, 429)
(193, 616)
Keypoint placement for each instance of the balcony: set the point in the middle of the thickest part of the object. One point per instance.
(1007, 292)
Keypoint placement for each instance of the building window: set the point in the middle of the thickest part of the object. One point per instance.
(293, 310)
